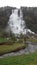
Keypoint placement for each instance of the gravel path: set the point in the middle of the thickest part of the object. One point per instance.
(30, 49)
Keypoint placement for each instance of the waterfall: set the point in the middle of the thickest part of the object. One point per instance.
(16, 23)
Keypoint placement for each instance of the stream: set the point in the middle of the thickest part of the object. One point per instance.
(32, 47)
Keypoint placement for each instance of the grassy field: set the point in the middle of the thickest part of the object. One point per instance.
(9, 48)
(30, 59)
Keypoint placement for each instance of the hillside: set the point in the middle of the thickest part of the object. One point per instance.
(29, 15)
(5, 13)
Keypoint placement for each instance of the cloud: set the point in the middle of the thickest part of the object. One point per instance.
(18, 3)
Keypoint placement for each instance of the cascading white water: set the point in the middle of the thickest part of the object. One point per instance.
(16, 23)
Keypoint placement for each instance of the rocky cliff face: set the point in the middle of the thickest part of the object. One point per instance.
(5, 13)
(29, 15)
(4, 16)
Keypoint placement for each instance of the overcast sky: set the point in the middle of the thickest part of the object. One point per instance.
(18, 3)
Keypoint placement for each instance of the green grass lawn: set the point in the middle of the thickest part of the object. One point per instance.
(30, 59)
(9, 48)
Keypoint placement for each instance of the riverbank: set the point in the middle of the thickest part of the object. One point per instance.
(29, 49)
(9, 48)
(30, 59)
